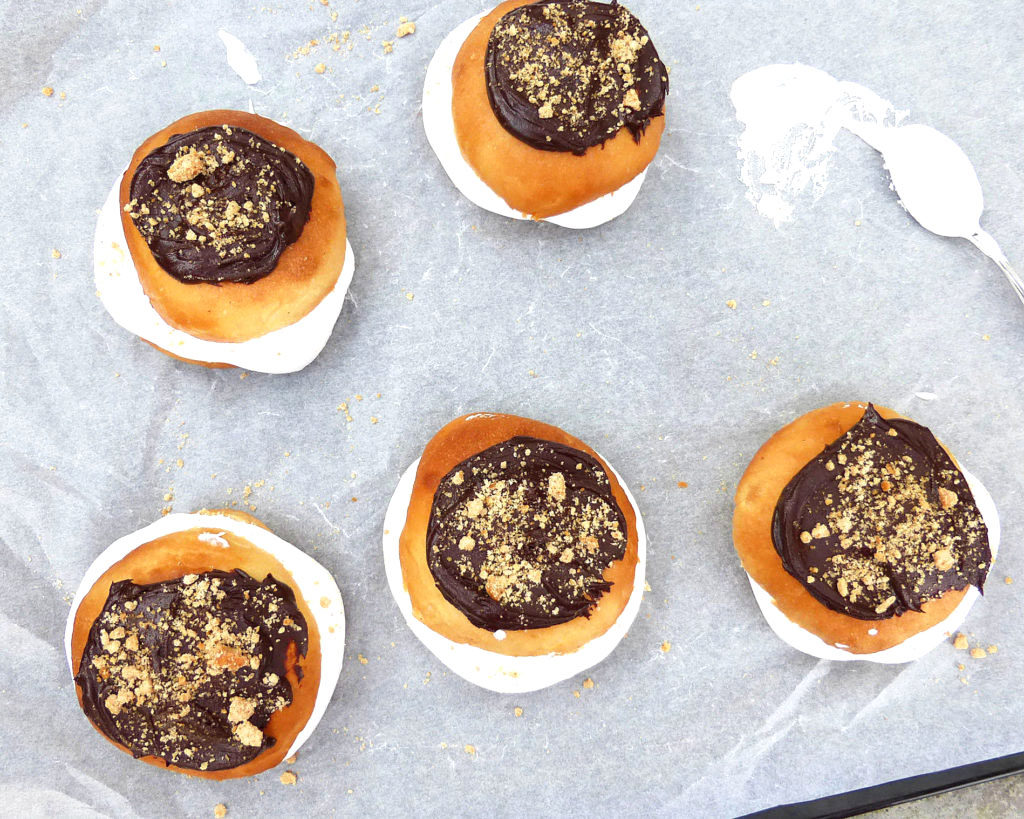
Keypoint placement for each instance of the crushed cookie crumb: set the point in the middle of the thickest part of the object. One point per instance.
(960, 643)
(47, 91)
(220, 811)
(405, 28)
(288, 778)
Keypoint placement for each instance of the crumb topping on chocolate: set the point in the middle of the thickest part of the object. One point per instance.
(191, 670)
(881, 522)
(220, 204)
(520, 535)
(566, 75)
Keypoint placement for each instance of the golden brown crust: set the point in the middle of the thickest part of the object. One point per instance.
(773, 467)
(306, 272)
(208, 364)
(175, 555)
(537, 183)
(459, 440)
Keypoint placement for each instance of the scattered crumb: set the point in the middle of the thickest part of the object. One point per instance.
(986, 337)
(518, 711)
(156, 48)
(993, 649)
(320, 68)
(389, 46)
(55, 253)
(363, 660)
(978, 653)
(374, 419)
(410, 296)
(325, 602)
(766, 303)
(220, 811)
(960, 643)
(469, 749)
(731, 304)
(588, 683)
(647, 586)
(292, 759)
(666, 647)
(576, 694)
(405, 27)
(47, 91)
(288, 778)
(1008, 581)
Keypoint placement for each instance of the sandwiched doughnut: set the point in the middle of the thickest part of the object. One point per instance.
(548, 110)
(205, 644)
(514, 552)
(236, 243)
(861, 535)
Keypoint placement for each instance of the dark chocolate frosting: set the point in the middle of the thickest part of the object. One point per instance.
(220, 204)
(191, 670)
(520, 535)
(881, 522)
(566, 75)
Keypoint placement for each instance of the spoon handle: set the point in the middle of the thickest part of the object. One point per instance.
(987, 245)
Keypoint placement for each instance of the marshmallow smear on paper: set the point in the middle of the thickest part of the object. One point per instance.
(502, 673)
(440, 128)
(913, 647)
(313, 582)
(792, 115)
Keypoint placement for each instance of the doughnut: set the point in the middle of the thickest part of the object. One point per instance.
(229, 243)
(556, 107)
(515, 552)
(206, 645)
(860, 529)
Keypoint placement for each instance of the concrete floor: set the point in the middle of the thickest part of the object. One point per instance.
(992, 800)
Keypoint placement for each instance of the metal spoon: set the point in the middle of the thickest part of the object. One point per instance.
(938, 186)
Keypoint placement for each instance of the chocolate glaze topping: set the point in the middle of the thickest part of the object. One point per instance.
(220, 204)
(520, 535)
(191, 670)
(566, 75)
(881, 522)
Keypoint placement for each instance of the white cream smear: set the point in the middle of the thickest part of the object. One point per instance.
(314, 583)
(286, 350)
(440, 128)
(502, 673)
(240, 58)
(792, 115)
(913, 647)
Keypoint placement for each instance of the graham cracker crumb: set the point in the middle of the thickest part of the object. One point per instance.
(666, 647)
(469, 749)
(288, 778)
(220, 811)
(731, 304)
(47, 91)
(320, 68)
(960, 643)
(978, 653)
(405, 28)
(292, 759)
(993, 649)
(588, 683)
(518, 711)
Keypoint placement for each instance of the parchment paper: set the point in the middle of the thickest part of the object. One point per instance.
(621, 336)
